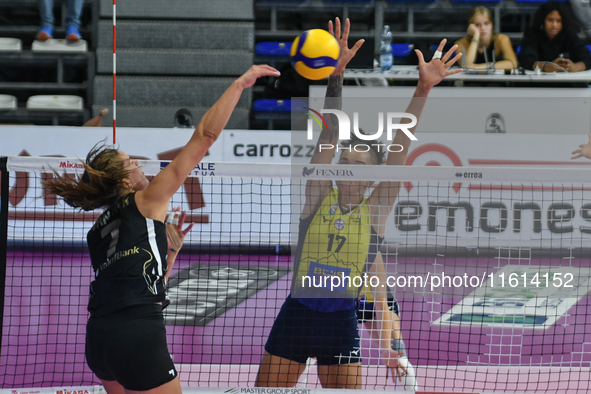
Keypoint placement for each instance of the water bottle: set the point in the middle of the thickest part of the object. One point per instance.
(386, 58)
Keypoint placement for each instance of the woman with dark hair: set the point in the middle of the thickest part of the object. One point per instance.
(551, 44)
(482, 38)
(132, 251)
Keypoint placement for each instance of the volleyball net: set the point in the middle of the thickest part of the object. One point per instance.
(491, 268)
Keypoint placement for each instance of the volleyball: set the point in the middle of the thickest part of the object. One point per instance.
(315, 54)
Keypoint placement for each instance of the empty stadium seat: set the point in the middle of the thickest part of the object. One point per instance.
(55, 103)
(57, 46)
(8, 44)
(402, 50)
(273, 48)
(7, 102)
(278, 105)
(537, 1)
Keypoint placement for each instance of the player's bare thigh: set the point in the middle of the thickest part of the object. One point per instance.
(277, 371)
(340, 376)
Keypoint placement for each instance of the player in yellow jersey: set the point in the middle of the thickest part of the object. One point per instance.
(340, 235)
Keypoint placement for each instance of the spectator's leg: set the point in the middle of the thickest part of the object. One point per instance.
(46, 13)
(582, 11)
(73, 19)
(74, 12)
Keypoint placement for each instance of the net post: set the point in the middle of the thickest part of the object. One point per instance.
(3, 234)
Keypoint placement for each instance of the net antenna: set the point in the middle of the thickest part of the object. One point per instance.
(114, 72)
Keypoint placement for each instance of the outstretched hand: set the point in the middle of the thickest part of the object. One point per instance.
(248, 79)
(346, 53)
(175, 234)
(393, 367)
(584, 150)
(433, 72)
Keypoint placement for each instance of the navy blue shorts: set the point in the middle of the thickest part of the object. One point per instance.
(366, 312)
(129, 346)
(300, 333)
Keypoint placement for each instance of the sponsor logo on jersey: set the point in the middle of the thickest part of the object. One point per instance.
(333, 209)
(320, 275)
(339, 224)
(324, 219)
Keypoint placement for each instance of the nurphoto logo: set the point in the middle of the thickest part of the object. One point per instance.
(345, 129)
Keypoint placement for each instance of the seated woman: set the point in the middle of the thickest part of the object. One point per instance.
(551, 44)
(482, 37)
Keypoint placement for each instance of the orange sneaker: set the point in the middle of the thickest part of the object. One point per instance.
(44, 33)
(72, 33)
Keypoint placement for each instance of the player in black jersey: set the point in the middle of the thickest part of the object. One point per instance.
(131, 254)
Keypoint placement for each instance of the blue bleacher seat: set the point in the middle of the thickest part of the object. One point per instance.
(278, 105)
(518, 49)
(589, 48)
(402, 50)
(273, 48)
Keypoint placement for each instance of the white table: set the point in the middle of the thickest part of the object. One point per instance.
(410, 73)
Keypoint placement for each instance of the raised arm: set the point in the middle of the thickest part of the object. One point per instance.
(323, 153)
(470, 49)
(153, 201)
(430, 74)
(583, 151)
(383, 318)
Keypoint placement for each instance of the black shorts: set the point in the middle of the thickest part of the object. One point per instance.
(366, 311)
(300, 333)
(129, 346)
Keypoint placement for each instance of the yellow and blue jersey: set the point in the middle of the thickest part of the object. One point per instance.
(334, 247)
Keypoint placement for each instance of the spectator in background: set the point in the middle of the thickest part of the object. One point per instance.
(582, 11)
(551, 44)
(482, 37)
(74, 8)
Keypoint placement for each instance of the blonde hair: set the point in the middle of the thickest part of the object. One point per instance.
(482, 10)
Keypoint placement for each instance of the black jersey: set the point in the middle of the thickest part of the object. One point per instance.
(128, 254)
